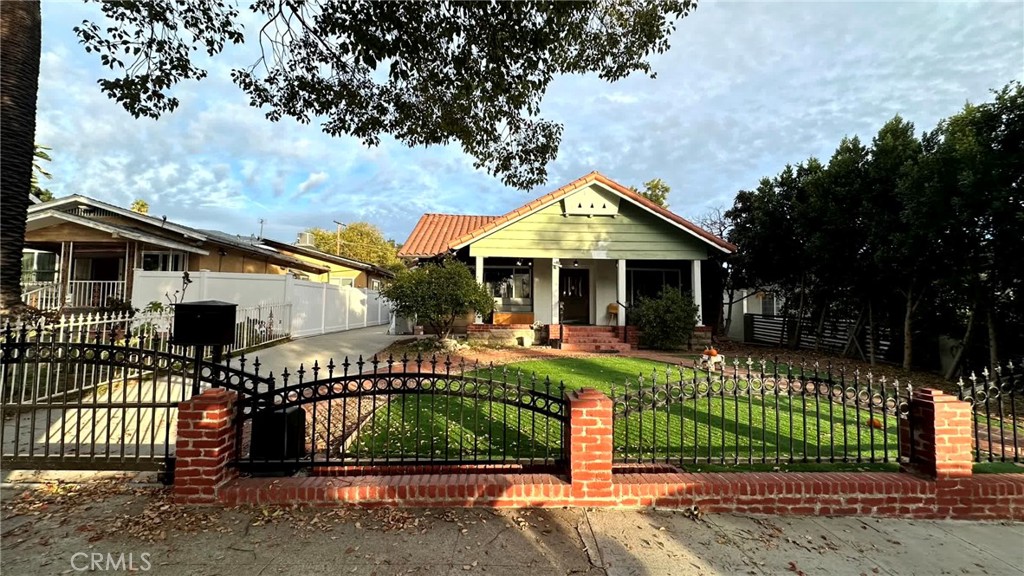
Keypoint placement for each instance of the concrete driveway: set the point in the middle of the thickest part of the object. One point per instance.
(339, 345)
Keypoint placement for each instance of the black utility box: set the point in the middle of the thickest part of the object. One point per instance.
(278, 434)
(204, 323)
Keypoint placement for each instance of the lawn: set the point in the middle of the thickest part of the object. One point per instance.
(682, 425)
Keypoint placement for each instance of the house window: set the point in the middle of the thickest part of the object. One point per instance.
(38, 267)
(770, 304)
(345, 281)
(163, 261)
(511, 287)
(375, 285)
(649, 282)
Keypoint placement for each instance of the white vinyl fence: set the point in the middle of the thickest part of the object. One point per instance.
(313, 307)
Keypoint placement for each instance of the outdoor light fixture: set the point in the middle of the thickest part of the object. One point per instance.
(575, 263)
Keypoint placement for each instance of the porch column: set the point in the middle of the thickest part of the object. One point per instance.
(556, 266)
(696, 292)
(620, 290)
(479, 280)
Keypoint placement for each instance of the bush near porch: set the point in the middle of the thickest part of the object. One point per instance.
(666, 322)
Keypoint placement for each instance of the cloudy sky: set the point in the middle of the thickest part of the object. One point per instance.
(746, 88)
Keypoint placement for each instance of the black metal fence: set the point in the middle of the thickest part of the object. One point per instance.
(401, 413)
(90, 399)
(997, 400)
(760, 413)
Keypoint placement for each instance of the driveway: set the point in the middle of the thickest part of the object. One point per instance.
(352, 344)
(59, 529)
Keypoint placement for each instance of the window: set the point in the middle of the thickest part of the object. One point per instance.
(345, 281)
(163, 261)
(375, 285)
(39, 267)
(770, 304)
(649, 282)
(511, 287)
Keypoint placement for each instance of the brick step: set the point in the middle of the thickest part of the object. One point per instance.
(614, 347)
(572, 328)
(594, 339)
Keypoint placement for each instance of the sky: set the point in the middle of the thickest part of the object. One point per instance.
(746, 88)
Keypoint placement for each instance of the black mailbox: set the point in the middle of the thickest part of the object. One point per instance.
(204, 323)
(278, 435)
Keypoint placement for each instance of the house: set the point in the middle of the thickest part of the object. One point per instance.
(341, 271)
(81, 253)
(578, 256)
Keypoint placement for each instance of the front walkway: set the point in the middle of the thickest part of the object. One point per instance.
(363, 342)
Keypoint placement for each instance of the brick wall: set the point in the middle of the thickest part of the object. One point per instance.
(937, 483)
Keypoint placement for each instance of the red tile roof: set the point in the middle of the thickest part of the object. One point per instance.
(436, 233)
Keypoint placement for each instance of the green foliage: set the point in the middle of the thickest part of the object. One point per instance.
(41, 155)
(656, 191)
(915, 234)
(437, 294)
(359, 241)
(665, 322)
(426, 73)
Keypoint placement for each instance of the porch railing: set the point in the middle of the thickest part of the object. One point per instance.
(94, 293)
(41, 295)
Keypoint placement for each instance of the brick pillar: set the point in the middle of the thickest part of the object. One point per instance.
(940, 434)
(590, 444)
(206, 441)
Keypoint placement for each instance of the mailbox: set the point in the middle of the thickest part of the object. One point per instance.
(204, 323)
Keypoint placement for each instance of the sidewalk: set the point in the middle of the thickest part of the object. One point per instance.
(351, 343)
(41, 535)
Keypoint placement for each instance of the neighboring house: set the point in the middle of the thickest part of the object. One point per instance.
(341, 271)
(81, 253)
(570, 256)
(750, 301)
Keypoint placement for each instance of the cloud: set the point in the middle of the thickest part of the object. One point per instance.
(315, 180)
(746, 88)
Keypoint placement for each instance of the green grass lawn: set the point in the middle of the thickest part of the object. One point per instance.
(730, 426)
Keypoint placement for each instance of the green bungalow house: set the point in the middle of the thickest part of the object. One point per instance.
(575, 259)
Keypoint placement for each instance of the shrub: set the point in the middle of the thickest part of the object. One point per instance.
(665, 322)
(437, 294)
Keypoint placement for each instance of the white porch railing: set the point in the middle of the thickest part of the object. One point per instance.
(94, 293)
(41, 295)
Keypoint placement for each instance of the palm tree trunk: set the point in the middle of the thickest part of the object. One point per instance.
(20, 45)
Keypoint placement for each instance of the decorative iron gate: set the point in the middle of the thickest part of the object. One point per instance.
(403, 413)
(98, 399)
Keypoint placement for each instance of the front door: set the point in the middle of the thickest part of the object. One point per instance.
(574, 291)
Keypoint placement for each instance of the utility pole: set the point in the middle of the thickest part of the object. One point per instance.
(337, 250)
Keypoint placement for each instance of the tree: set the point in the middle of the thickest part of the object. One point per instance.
(437, 294)
(359, 241)
(141, 206)
(426, 73)
(718, 223)
(655, 190)
(38, 170)
(20, 37)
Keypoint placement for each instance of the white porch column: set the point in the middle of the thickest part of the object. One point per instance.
(696, 292)
(620, 290)
(556, 266)
(479, 269)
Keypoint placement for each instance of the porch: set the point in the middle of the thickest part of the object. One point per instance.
(579, 291)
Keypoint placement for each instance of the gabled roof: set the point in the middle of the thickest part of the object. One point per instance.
(324, 256)
(81, 201)
(434, 233)
(437, 233)
(121, 230)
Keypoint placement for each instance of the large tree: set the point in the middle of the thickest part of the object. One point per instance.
(359, 241)
(656, 191)
(425, 73)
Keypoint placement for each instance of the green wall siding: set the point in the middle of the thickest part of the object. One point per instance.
(633, 234)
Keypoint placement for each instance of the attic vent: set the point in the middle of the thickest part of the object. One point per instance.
(305, 239)
(580, 205)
